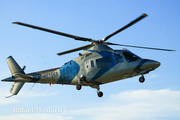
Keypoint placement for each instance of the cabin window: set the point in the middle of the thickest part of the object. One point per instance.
(92, 64)
(119, 58)
(130, 57)
(103, 62)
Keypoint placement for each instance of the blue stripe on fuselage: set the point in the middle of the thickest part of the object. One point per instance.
(106, 68)
(91, 50)
(140, 64)
(68, 72)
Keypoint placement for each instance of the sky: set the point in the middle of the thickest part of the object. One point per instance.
(158, 98)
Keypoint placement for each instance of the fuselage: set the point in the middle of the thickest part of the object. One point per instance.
(98, 68)
(97, 65)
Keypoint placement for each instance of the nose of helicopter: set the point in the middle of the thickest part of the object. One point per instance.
(151, 64)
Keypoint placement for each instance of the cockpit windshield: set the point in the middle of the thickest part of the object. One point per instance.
(130, 57)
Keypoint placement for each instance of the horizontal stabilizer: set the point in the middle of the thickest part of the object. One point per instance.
(24, 76)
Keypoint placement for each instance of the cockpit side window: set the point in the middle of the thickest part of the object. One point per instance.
(119, 58)
(130, 57)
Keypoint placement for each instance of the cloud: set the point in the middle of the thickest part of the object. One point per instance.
(152, 76)
(35, 117)
(22, 94)
(137, 105)
(3, 99)
(38, 94)
(126, 105)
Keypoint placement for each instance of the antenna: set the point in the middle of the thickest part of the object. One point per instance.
(33, 86)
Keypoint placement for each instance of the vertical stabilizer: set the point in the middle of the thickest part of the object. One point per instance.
(13, 66)
(15, 69)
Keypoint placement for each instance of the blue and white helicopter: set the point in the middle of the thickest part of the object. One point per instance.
(97, 65)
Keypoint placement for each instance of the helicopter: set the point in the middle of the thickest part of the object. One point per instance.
(98, 64)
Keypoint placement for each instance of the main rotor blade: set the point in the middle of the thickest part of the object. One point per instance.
(126, 26)
(74, 50)
(138, 46)
(55, 32)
